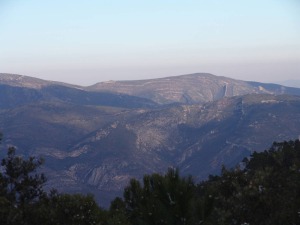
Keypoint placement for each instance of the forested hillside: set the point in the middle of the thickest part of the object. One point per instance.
(262, 189)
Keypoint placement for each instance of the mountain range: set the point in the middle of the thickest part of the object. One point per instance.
(95, 138)
(290, 83)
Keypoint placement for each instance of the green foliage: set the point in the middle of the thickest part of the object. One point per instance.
(20, 186)
(117, 213)
(19, 182)
(265, 190)
(73, 209)
(23, 200)
(167, 199)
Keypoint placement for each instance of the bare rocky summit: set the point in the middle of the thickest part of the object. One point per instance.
(188, 89)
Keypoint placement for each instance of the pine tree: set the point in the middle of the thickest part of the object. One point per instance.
(20, 185)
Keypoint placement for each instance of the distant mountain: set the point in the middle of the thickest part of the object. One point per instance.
(16, 90)
(192, 88)
(291, 83)
(96, 141)
(16, 80)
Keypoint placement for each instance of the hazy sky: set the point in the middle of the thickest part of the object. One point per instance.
(84, 42)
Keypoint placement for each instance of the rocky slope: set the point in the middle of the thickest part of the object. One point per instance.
(92, 145)
(192, 88)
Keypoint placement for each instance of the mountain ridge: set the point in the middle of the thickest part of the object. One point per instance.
(191, 88)
(187, 89)
(96, 146)
(29, 82)
(18, 90)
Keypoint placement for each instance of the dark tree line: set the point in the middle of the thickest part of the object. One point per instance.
(264, 189)
(23, 200)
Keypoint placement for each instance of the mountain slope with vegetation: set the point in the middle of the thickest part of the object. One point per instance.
(95, 142)
(263, 189)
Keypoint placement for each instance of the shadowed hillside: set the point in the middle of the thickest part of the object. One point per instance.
(95, 142)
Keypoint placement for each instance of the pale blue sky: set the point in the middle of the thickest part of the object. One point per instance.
(84, 42)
